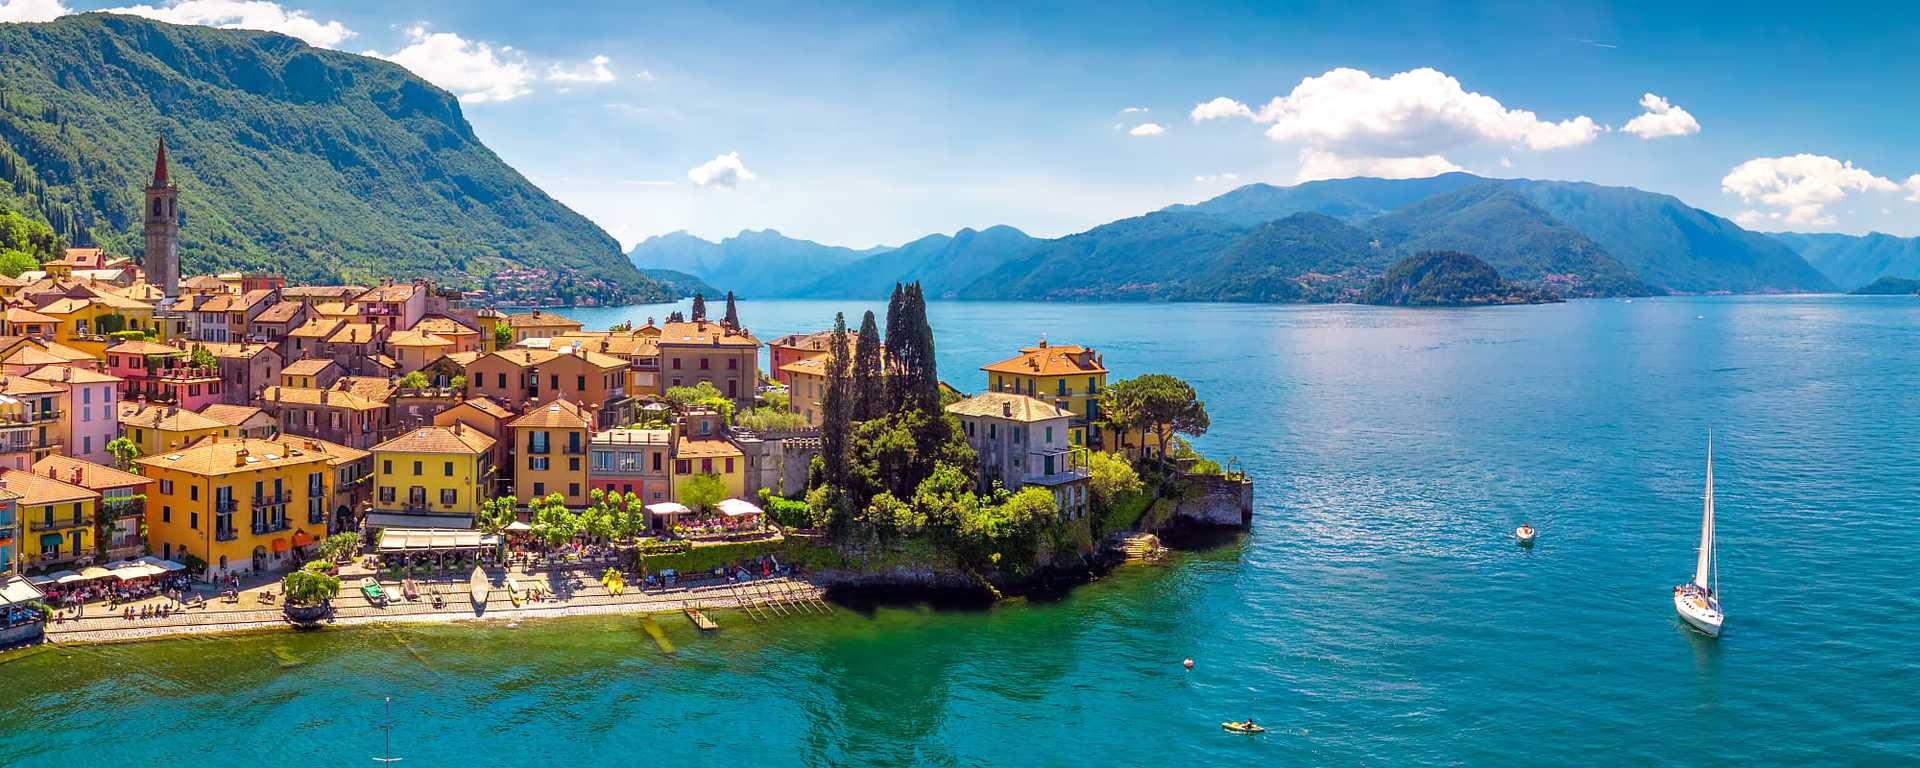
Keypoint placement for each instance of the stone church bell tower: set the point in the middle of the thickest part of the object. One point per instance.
(162, 228)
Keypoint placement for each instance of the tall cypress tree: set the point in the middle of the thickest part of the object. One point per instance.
(896, 352)
(732, 319)
(926, 381)
(869, 382)
(699, 307)
(836, 427)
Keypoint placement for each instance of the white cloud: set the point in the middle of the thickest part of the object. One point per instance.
(1662, 118)
(32, 10)
(1133, 110)
(1147, 129)
(645, 75)
(725, 171)
(1220, 107)
(1208, 178)
(1506, 162)
(1317, 164)
(1799, 187)
(474, 71)
(1913, 187)
(596, 70)
(246, 14)
(1402, 124)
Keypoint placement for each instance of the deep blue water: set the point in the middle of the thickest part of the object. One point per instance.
(1379, 614)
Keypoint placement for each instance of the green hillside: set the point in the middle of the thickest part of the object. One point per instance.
(1446, 279)
(1303, 257)
(1515, 237)
(317, 164)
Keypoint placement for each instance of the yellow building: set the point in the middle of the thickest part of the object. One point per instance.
(432, 471)
(56, 517)
(239, 506)
(160, 428)
(550, 451)
(694, 456)
(1068, 376)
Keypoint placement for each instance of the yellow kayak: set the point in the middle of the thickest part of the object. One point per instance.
(1243, 728)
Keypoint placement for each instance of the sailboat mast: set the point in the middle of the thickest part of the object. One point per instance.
(1703, 567)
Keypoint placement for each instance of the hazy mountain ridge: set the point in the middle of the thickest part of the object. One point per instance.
(1854, 261)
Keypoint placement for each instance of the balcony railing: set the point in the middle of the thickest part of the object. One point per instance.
(224, 505)
(225, 534)
(272, 500)
(271, 526)
(118, 508)
(56, 524)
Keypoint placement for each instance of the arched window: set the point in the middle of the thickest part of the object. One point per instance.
(156, 206)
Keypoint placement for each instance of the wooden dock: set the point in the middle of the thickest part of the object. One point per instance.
(700, 620)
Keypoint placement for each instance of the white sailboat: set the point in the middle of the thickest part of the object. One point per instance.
(1698, 601)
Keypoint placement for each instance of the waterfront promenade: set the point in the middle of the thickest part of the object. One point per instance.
(572, 590)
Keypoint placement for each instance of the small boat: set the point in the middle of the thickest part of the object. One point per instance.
(478, 586)
(513, 591)
(372, 591)
(1524, 535)
(1698, 601)
(410, 590)
(1242, 727)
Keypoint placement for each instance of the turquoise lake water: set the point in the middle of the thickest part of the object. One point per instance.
(1379, 614)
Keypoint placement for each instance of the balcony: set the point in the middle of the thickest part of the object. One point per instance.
(272, 500)
(115, 509)
(56, 524)
(225, 534)
(224, 505)
(30, 417)
(271, 526)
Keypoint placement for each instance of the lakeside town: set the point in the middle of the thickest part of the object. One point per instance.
(228, 451)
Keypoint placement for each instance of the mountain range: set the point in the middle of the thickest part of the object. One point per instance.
(1317, 241)
(1854, 261)
(320, 165)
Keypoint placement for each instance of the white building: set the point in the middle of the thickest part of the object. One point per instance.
(1024, 441)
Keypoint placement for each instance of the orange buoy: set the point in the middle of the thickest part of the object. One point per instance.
(1188, 663)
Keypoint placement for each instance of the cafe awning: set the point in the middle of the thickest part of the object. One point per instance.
(433, 540)
(66, 577)
(128, 570)
(667, 509)
(518, 527)
(165, 565)
(738, 508)
(15, 590)
(301, 538)
(279, 545)
(92, 572)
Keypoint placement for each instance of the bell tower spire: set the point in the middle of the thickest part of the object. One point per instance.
(161, 225)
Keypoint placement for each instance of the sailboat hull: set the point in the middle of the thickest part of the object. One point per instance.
(1698, 612)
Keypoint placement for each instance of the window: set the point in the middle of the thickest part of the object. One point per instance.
(502, 380)
(193, 493)
(1049, 435)
(729, 464)
(1019, 432)
(733, 363)
(386, 494)
(573, 463)
(706, 466)
(537, 464)
(416, 468)
(1092, 388)
(166, 486)
(449, 471)
(676, 366)
(656, 461)
(580, 383)
(536, 442)
(573, 489)
(1062, 387)
(993, 431)
(602, 460)
(448, 497)
(166, 514)
(573, 442)
(386, 466)
(193, 520)
(705, 364)
(683, 467)
(539, 489)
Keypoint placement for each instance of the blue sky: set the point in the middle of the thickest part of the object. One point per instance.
(862, 124)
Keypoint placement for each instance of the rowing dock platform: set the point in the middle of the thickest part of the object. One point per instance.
(700, 620)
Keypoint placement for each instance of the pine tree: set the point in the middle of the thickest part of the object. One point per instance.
(676, 317)
(732, 320)
(699, 307)
(896, 352)
(869, 381)
(926, 381)
(837, 412)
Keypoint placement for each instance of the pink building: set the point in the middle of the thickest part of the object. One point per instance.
(395, 306)
(162, 374)
(92, 416)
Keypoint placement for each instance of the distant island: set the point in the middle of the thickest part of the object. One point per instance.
(1888, 285)
(1447, 279)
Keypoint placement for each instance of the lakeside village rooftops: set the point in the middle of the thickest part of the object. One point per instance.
(332, 398)
(310, 366)
(706, 332)
(1050, 360)
(558, 414)
(215, 456)
(455, 439)
(230, 414)
(538, 319)
(35, 488)
(1006, 405)
(167, 418)
(71, 374)
(632, 436)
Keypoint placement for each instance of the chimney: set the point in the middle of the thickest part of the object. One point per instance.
(76, 476)
(1006, 409)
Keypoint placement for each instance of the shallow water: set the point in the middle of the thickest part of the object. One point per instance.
(1379, 613)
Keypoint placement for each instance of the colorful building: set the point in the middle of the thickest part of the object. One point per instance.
(159, 428)
(1071, 377)
(636, 461)
(56, 517)
(540, 325)
(1021, 441)
(92, 409)
(432, 477)
(704, 350)
(550, 450)
(240, 506)
(521, 378)
(122, 501)
(336, 414)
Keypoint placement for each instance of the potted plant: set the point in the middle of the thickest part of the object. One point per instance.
(309, 592)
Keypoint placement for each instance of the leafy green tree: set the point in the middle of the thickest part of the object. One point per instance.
(1159, 404)
(12, 262)
(414, 380)
(1110, 476)
(701, 492)
(201, 357)
(502, 335)
(107, 325)
(553, 523)
(124, 450)
(497, 513)
(339, 546)
(311, 585)
(869, 383)
(458, 383)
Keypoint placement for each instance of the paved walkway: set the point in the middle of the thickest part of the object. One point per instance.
(576, 591)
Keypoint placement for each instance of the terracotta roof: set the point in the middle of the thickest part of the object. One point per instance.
(705, 449)
(486, 405)
(67, 353)
(444, 326)
(283, 312)
(73, 374)
(229, 414)
(92, 476)
(418, 338)
(245, 350)
(313, 291)
(628, 345)
(137, 347)
(65, 306)
(34, 356)
(308, 367)
(354, 333)
(214, 456)
(539, 319)
(1006, 405)
(21, 315)
(318, 328)
(204, 282)
(395, 292)
(462, 359)
(369, 387)
(336, 309)
(558, 414)
(1050, 360)
(36, 488)
(12, 282)
(707, 333)
(337, 454)
(119, 301)
(21, 386)
(331, 398)
(438, 440)
(164, 417)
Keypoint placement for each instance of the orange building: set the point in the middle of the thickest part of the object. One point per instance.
(550, 452)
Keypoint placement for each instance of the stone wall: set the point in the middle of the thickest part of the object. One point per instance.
(1213, 501)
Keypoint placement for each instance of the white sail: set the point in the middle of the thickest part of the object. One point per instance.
(1703, 570)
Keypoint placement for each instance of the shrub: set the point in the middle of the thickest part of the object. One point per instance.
(311, 585)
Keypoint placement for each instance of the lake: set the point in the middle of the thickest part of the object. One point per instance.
(1378, 614)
